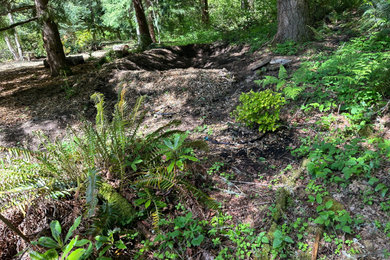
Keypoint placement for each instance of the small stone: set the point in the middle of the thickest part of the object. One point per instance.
(280, 61)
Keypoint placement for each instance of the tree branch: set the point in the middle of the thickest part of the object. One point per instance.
(13, 228)
(17, 24)
(18, 9)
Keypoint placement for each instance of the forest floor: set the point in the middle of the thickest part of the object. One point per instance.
(199, 85)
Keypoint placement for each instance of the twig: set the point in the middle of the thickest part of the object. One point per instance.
(316, 245)
(14, 229)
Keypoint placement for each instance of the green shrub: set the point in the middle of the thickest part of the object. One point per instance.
(260, 109)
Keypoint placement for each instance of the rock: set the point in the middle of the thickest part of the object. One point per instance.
(280, 61)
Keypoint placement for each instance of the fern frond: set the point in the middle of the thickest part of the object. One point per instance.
(157, 179)
(292, 92)
(162, 133)
(282, 72)
(98, 98)
(94, 182)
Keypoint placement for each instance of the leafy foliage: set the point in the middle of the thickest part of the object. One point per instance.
(261, 109)
(65, 246)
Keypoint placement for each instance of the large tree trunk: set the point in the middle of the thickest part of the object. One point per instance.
(293, 18)
(144, 35)
(18, 45)
(11, 49)
(205, 11)
(52, 40)
(148, 5)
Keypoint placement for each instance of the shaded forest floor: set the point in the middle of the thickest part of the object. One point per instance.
(199, 85)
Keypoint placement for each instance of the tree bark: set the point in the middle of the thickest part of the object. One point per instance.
(205, 11)
(11, 49)
(144, 35)
(293, 18)
(150, 19)
(51, 40)
(18, 45)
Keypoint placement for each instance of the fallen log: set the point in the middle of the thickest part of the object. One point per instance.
(70, 61)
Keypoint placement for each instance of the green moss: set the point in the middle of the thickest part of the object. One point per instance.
(124, 207)
(281, 202)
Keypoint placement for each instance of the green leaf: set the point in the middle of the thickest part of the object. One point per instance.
(265, 240)
(104, 250)
(139, 202)
(191, 158)
(346, 229)
(197, 241)
(169, 144)
(383, 192)
(319, 220)
(329, 204)
(36, 256)
(373, 180)
(88, 252)
(50, 255)
(69, 247)
(288, 239)
(77, 254)
(48, 242)
(147, 204)
(319, 198)
(277, 243)
(380, 186)
(72, 228)
(55, 228)
(82, 242)
(180, 164)
(170, 167)
(120, 245)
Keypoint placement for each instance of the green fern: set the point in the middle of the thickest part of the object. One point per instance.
(112, 148)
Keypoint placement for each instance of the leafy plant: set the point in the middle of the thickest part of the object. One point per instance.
(105, 243)
(186, 233)
(261, 109)
(290, 89)
(65, 245)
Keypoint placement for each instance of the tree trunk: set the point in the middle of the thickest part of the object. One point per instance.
(144, 35)
(20, 51)
(293, 18)
(11, 49)
(51, 40)
(148, 5)
(205, 11)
